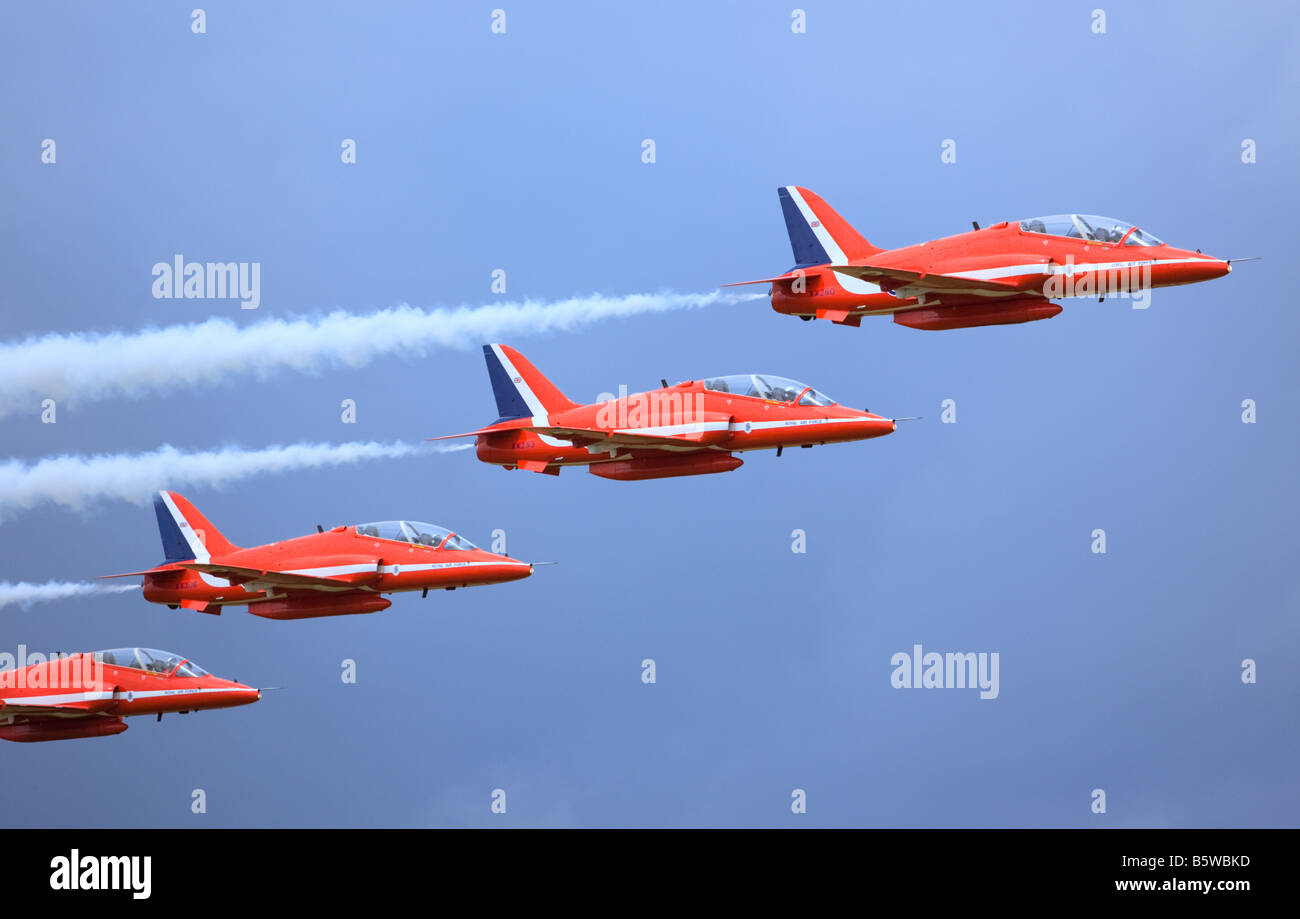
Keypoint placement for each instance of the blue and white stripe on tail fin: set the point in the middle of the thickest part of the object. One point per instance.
(186, 534)
(818, 235)
(520, 389)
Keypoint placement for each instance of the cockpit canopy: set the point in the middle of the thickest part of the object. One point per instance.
(766, 386)
(151, 660)
(421, 534)
(1091, 227)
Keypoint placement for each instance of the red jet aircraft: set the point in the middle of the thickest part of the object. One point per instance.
(329, 573)
(998, 275)
(692, 428)
(88, 695)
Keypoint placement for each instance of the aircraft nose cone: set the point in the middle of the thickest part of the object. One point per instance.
(1206, 269)
(245, 695)
(1216, 268)
(875, 426)
(516, 570)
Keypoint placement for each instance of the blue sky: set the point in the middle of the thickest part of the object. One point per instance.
(523, 151)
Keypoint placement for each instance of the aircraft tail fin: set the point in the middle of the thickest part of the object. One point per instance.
(187, 534)
(818, 235)
(520, 389)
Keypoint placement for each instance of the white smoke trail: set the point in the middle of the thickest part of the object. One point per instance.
(99, 365)
(25, 594)
(74, 481)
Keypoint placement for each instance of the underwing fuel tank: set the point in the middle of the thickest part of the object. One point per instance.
(309, 607)
(964, 317)
(34, 732)
(662, 467)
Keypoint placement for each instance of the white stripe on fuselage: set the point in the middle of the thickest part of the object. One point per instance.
(676, 430)
(681, 430)
(790, 423)
(1054, 268)
(72, 697)
(738, 427)
(854, 285)
(270, 586)
(1048, 269)
(396, 568)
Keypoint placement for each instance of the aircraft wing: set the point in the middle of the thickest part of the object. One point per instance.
(240, 575)
(919, 277)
